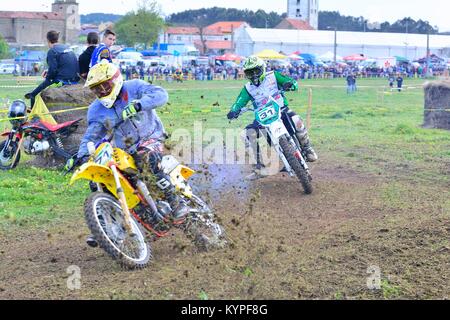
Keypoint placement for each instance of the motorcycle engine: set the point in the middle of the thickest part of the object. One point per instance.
(157, 220)
(33, 146)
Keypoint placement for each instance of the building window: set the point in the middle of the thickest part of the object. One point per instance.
(179, 38)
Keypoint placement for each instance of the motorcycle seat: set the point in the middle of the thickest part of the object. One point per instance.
(57, 127)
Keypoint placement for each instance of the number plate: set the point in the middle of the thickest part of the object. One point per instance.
(104, 154)
(267, 113)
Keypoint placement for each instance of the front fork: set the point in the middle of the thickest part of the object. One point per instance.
(123, 201)
(8, 142)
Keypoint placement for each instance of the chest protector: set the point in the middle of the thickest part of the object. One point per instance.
(268, 88)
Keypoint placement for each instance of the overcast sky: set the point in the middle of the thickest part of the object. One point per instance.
(434, 11)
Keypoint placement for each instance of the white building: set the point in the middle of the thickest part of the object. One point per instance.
(372, 44)
(306, 10)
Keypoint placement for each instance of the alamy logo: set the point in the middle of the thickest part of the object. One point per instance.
(74, 280)
(374, 280)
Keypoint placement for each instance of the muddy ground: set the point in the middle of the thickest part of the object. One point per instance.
(285, 245)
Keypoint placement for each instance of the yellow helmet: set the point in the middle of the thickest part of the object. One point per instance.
(106, 81)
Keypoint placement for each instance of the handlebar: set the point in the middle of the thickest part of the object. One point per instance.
(250, 109)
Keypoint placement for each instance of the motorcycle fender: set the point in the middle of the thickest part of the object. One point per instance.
(102, 174)
(277, 129)
(179, 177)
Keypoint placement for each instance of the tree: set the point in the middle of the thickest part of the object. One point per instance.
(258, 19)
(201, 22)
(4, 49)
(142, 26)
(329, 19)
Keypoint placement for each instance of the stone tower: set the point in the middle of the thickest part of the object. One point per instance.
(306, 10)
(69, 9)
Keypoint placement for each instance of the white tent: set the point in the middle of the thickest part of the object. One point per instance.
(329, 57)
(373, 44)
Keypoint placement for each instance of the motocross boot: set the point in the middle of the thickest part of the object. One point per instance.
(179, 207)
(257, 168)
(256, 172)
(303, 137)
(91, 241)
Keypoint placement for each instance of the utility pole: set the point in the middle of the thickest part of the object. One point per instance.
(428, 56)
(335, 44)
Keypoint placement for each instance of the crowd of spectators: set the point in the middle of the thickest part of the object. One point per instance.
(219, 72)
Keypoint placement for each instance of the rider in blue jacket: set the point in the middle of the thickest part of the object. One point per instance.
(129, 106)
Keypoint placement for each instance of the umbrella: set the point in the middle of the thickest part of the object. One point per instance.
(295, 57)
(269, 54)
(355, 57)
(401, 59)
(229, 57)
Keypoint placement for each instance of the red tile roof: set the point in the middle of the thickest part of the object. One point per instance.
(225, 26)
(299, 24)
(192, 31)
(183, 30)
(31, 15)
(215, 45)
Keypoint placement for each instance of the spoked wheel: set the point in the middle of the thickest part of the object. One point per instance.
(105, 220)
(302, 174)
(201, 227)
(7, 153)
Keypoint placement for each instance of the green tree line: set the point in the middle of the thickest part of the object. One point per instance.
(327, 20)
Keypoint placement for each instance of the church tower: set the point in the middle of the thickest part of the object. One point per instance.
(306, 10)
(69, 9)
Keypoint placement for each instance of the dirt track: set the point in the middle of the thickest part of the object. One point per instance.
(285, 245)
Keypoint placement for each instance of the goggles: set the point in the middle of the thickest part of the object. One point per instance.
(103, 89)
(253, 73)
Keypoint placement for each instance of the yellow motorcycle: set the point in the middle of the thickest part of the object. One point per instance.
(122, 206)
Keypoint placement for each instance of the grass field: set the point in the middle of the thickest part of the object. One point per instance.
(383, 182)
(373, 130)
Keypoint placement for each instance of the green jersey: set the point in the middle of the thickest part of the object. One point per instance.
(271, 85)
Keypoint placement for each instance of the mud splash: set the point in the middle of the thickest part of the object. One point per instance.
(214, 181)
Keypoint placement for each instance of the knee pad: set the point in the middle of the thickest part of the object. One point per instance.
(298, 122)
(154, 160)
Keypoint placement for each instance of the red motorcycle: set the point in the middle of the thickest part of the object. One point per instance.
(35, 136)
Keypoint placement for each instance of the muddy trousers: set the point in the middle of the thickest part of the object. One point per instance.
(148, 159)
(254, 131)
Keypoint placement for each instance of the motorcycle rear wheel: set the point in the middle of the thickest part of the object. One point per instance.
(104, 218)
(6, 156)
(302, 175)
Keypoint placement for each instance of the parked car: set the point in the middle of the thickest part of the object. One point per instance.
(129, 58)
(9, 68)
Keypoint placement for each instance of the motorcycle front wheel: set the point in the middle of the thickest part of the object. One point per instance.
(302, 175)
(105, 219)
(201, 227)
(7, 154)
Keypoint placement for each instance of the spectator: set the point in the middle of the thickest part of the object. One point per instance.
(62, 66)
(102, 51)
(351, 83)
(85, 58)
(128, 73)
(391, 82)
(399, 82)
(141, 73)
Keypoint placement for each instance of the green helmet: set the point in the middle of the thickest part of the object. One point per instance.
(255, 70)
